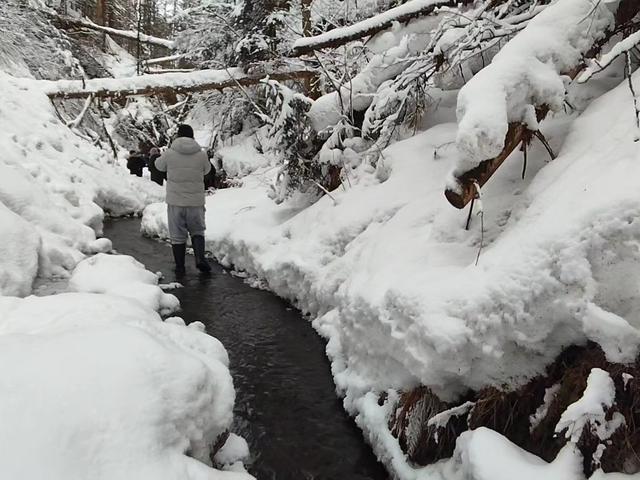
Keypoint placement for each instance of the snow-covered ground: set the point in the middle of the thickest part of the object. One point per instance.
(97, 385)
(55, 188)
(389, 273)
(94, 383)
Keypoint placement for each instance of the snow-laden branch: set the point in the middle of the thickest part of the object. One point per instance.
(78, 119)
(523, 83)
(171, 58)
(618, 49)
(178, 83)
(130, 34)
(340, 36)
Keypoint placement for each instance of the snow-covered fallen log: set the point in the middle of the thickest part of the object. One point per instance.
(370, 26)
(67, 22)
(524, 82)
(154, 84)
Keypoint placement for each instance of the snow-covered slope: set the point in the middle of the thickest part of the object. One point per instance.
(54, 189)
(93, 382)
(97, 386)
(390, 273)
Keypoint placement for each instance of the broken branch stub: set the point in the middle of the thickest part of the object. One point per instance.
(466, 192)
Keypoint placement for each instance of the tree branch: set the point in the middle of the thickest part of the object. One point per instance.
(177, 83)
(383, 21)
(463, 190)
(65, 22)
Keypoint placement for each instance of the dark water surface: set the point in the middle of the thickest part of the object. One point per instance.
(286, 405)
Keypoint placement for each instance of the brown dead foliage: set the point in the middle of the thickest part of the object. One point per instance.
(418, 440)
(508, 412)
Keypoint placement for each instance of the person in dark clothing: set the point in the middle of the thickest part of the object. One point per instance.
(156, 175)
(135, 163)
(210, 178)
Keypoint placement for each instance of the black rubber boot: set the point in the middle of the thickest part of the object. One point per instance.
(198, 250)
(179, 251)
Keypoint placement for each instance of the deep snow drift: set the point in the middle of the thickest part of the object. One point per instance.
(389, 272)
(99, 386)
(93, 385)
(54, 188)
(93, 382)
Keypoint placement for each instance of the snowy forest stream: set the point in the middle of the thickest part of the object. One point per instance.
(286, 406)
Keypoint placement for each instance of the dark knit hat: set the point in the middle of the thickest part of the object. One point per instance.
(185, 130)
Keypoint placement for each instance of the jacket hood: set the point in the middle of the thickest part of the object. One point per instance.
(185, 145)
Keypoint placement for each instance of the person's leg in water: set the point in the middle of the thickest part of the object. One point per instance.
(196, 226)
(176, 217)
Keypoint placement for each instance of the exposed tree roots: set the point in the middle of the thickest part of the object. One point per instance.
(509, 413)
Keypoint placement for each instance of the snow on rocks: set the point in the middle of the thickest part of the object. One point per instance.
(97, 386)
(477, 451)
(154, 221)
(92, 385)
(542, 411)
(123, 276)
(619, 339)
(233, 451)
(591, 409)
(19, 249)
(526, 73)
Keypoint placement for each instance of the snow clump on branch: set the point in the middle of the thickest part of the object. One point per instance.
(528, 72)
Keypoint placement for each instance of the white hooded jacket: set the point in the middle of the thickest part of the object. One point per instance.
(186, 165)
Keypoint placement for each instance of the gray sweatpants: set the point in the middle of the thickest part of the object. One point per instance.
(183, 220)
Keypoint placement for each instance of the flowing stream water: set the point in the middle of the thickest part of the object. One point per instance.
(286, 405)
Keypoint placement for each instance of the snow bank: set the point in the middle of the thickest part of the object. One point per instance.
(241, 159)
(92, 385)
(477, 451)
(113, 392)
(526, 73)
(19, 249)
(56, 185)
(123, 276)
(97, 385)
(389, 273)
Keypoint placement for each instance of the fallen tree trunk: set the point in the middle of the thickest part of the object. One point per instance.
(158, 84)
(464, 189)
(342, 35)
(68, 22)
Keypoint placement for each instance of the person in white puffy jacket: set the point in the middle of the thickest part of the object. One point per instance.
(186, 164)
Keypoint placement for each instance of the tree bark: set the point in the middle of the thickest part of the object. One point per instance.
(101, 12)
(466, 182)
